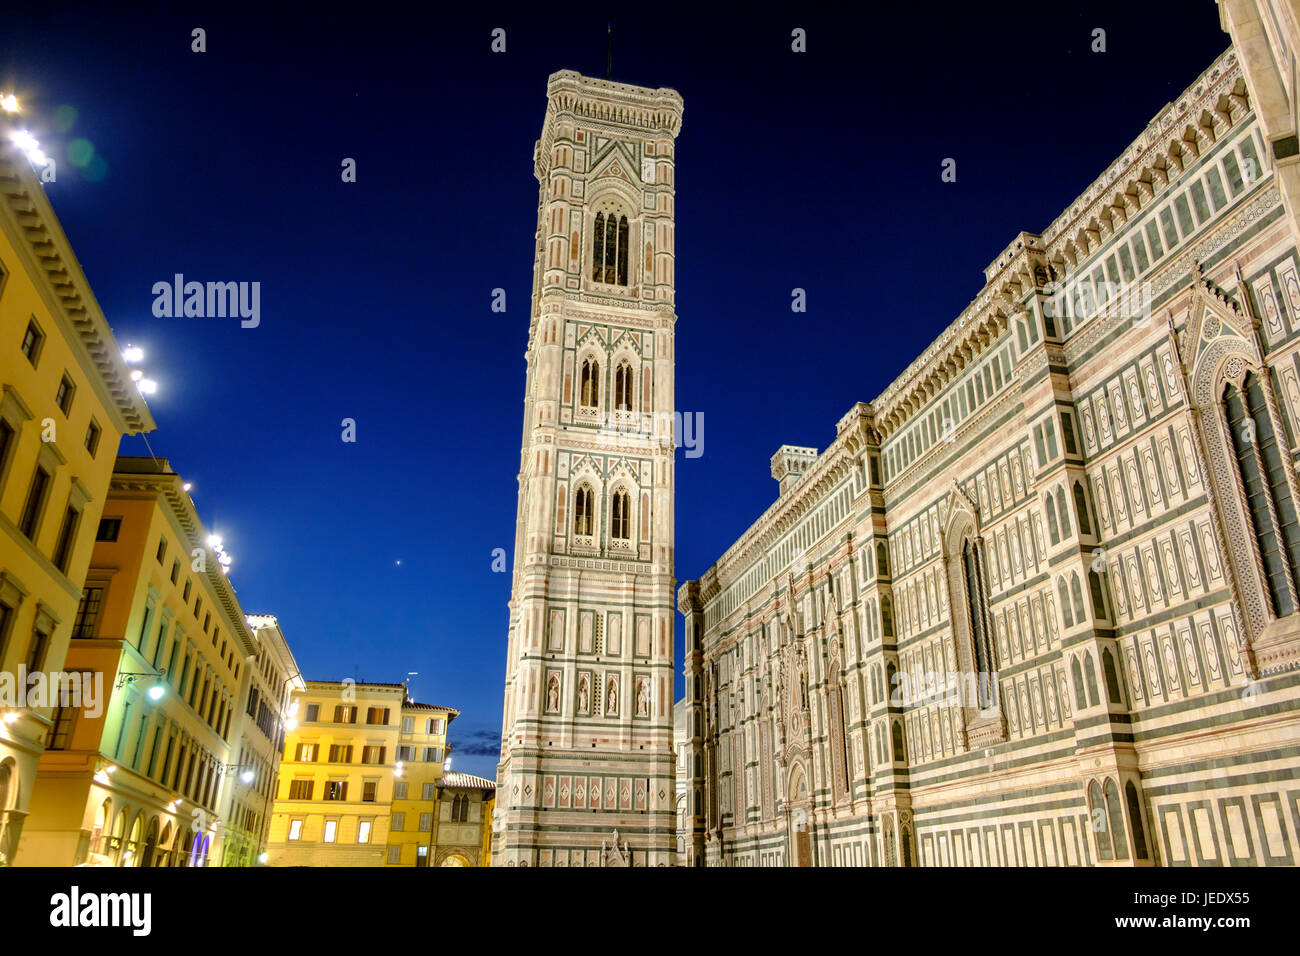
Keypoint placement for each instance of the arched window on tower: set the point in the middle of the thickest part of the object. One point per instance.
(589, 393)
(979, 636)
(609, 249)
(1081, 506)
(623, 387)
(1268, 496)
(620, 517)
(598, 249)
(582, 511)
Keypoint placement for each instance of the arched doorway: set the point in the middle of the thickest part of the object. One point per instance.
(454, 859)
(800, 804)
(164, 854)
(135, 842)
(117, 838)
(150, 844)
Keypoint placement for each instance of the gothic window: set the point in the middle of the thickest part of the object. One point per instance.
(886, 616)
(1063, 592)
(882, 560)
(1111, 677)
(620, 518)
(1091, 674)
(1052, 531)
(589, 393)
(623, 387)
(1135, 818)
(1077, 591)
(899, 751)
(1268, 497)
(979, 637)
(1076, 671)
(1115, 819)
(1064, 510)
(609, 249)
(1099, 822)
(582, 510)
(1098, 595)
(1081, 506)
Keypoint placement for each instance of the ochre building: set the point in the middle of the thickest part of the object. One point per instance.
(359, 779)
(66, 400)
(1036, 604)
(173, 759)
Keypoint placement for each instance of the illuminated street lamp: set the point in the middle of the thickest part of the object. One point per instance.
(156, 689)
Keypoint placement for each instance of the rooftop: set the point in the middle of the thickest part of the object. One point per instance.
(467, 781)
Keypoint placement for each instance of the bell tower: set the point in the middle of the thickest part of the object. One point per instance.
(587, 774)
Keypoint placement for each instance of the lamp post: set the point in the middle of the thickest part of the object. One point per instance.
(156, 690)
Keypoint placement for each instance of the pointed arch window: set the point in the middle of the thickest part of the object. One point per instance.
(1099, 822)
(1268, 496)
(1064, 511)
(1081, 506)
(623, 387)
(979, 636)
(582, 510)
(609, 249)
(1115, 819)
(1135, 818)
(620, 518)
(589, 393)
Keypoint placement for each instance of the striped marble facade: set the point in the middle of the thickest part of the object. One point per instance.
(1025, 609)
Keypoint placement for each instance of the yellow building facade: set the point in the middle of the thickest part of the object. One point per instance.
(257, 742)
(66, 399)
(358, 784)
(144, 772)
(421, 754)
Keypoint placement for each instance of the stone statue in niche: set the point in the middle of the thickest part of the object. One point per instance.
(643, 698)
(611, 697)
(553, 694)
(584, 697)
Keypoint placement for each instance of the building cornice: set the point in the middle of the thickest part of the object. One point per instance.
(27, 215)
(621, 104)
(1179, 133)
(166, 486)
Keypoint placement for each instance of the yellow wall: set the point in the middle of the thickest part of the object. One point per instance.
(310, 847)
(417, 775)
(30, 584)
(147, 623)
(421, 778)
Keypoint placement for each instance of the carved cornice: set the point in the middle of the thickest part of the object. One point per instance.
(1215, 102)
(165, 485)
(619, 104)
(39, 238)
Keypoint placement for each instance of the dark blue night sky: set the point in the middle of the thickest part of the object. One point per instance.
(819, 171)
